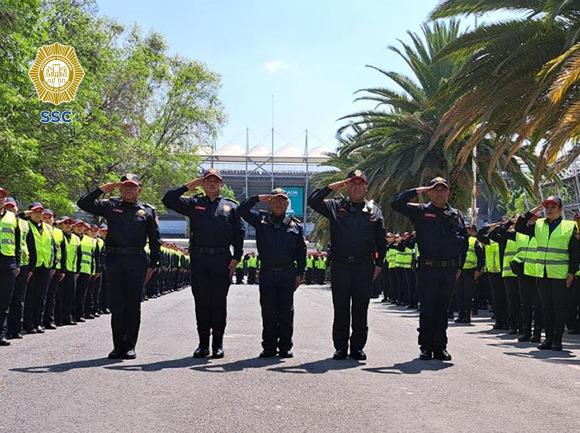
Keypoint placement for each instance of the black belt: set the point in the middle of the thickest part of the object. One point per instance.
(124, 250)
(278, 268)
(439, 263)
(352, 259)
(210, 251)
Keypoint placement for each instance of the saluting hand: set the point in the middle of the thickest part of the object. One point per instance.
(537, 209)
(338, 185)
(265, 198)
(109, 187)
(422, 189)
(193, 184)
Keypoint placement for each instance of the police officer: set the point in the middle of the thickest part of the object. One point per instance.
(442, 239)
(280, 242)
(52, 309)
(356, 233)
(131, 223)
(9, 263)
(557, 258)
(215, 227)
(72, 245)
(470, 273)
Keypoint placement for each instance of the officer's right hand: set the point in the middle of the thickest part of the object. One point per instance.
(338, 185)
(422, 189)
(537, 209)
(109, 187)
(265, 198)
(193, 184)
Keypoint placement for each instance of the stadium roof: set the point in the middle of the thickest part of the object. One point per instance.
(260, 153)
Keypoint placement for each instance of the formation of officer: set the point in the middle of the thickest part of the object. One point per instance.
(443, 242)
(215, 226)
(358, 249)
(281, 245)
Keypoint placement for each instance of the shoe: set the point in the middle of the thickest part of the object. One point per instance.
(546, 345)
(217, 352)
(97, 315)
(50, 326)
(4, 342)
(90, 316)
(339, 354)
(359, 355)
(267, 353)
(81, 320)
(39, 330)
(130, 354)
(556, 346)
(513, 331)
(425, 354)
(116, 354)
(201, 352)
(30, 331)
(460, 320)
(442, 355)
(286, 354)
(106, 311)
(17, 336)
(524, 338)
(535, 339)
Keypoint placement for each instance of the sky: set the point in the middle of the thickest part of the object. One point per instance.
(308, 56)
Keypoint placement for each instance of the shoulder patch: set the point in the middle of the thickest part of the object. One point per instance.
(150, 206)
(231, 201)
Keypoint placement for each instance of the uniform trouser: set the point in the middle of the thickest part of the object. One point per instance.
(531, 305)
(321, 276)
(556, 299)
(277, 303)
(7, 280)
(385, 278)
(239, 276)
(402, 285)
(499, 298)
(436, 288)
(252, 276)
(393, 285)
(96, 304)
(513, 302)
(210, 282)
(104, 301)
(51, 299)
(465, 289)
(574, 323)
(89, 297)
(411, 287)
(308, 276)
(83, 282)
(36, 298)
(351, 291)
(126, 277)
(15, 315)
(68, 290)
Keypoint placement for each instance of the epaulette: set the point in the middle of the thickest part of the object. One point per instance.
(231, 200)
(150, 206)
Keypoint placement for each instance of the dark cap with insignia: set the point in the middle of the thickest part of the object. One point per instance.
(36, 207)
(130, 178)
(357, 174)
(10, 202)
(279, 192)
(48, 212)
(439, 181)
(553, 199)
(211, 172)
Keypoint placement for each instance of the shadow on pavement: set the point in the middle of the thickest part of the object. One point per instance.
(188, 361)
(415, 366)
(319, 367)
(67, 366)
(562, 357)
(238, 365)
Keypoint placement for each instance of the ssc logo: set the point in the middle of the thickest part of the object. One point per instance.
(56, 73)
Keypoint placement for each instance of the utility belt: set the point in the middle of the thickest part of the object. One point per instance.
(210, 251)
(124, 251)
(352, 259)
(282, 268)
(438, 263)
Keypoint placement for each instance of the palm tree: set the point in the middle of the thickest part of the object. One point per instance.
(520, 80)
(392, 143)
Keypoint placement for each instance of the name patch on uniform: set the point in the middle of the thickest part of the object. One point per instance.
(199, 208)
(117, 210)
(430, 215)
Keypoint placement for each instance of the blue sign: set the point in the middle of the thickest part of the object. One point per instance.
(296, 196)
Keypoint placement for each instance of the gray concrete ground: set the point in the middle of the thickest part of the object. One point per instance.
(62, 382)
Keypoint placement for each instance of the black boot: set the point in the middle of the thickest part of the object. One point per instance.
(546, 345)
(202, 350)
(217, 345)
(557, 342)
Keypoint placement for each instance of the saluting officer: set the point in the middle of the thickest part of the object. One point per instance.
(442, 239)
(215, 226)
(356, 233)
(131, 223)
(281, 246)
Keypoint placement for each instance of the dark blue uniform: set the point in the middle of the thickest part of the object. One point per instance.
(442, 240)
(282, 252)
(130, 226)
(215, 226)
(356, 234)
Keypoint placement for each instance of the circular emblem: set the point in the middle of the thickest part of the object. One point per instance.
(56, 73)
(227, 208)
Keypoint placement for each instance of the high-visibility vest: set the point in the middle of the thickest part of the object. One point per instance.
(471, 257)
(95, 243)
(24, 253)
(552, 249)
(405, 258)
(509, 254)
(393, 261)
(252, 262)
(529, 254)
(8, 224)
(86, 255)
(492, 259)
(58, 238)
(309, 262)
(43, 244)
(72, 247)
(324, 263)
(240, 265)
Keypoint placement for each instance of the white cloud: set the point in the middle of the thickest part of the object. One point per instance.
(279, 65)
